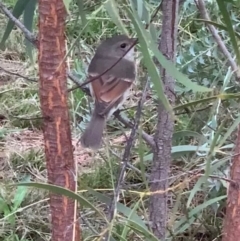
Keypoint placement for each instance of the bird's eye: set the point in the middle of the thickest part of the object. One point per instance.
(123, 45)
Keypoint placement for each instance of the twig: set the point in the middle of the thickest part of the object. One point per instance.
(76, 81)
(126, 156)
(16, 74)
(28, 35)
(202, 9)
(146, 137)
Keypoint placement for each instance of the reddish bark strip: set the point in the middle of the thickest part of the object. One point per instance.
(231, 229)
(57, 134)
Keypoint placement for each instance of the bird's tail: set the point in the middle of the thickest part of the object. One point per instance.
(92, 136)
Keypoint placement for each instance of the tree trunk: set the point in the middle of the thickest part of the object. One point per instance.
(231, 228)
(56, 129)
(165, 125)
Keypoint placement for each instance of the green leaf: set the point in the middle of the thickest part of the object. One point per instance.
(148, 61)
(140, 8)
(186, 149)
(128, 212)
(229, 25)
(67, 4)
(138, 228)
(179, 228)
(220, 26)
(187, 133)
(17, 11)
(229, 131)
(64, 192)
(173, 71)
(222, 96)
(111, 7)
(28, 15)
(6, 211)
(82, 12)
(126, 228)
(195, 189)
(166, 64)
(20, 195)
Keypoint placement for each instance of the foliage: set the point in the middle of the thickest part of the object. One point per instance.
(204, 131)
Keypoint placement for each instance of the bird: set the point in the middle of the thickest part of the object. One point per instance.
(109, 90)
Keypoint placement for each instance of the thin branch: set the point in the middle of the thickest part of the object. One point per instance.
(146, 137)
(28, 35)
(202, 9)
(126, 156)
(16, 74)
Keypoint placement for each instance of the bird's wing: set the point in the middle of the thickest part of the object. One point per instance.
(108, 90)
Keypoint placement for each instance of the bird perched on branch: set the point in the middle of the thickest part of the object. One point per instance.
(110, 86)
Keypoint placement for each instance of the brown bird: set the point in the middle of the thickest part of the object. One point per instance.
(111, 89)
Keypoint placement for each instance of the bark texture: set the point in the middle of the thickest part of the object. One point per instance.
(165, 125)
(231, 228)
(56, 129)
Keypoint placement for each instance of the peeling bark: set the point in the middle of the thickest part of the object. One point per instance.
(165, 125)
(56, 129)
(231, 228)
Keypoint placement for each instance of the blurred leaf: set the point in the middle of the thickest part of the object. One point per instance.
(64, 192)
(154, 33)
(140, 8)
(152, 70)
(187, 149)
(67, 4)
(188, 133)
(168, 65)
(220, 26)
(111, 7)
(20, 195)
(173, 71)
(17, 11)
(194, 190)
(182, 150)
(229, 25)
(229, 131)
(128, 212)
(126, 228)
(190, 217)
(222, 96)
(138, 228)
(6, 211)
(28, 15)
(82, 12)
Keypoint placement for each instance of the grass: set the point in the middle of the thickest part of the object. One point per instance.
(22, 154)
